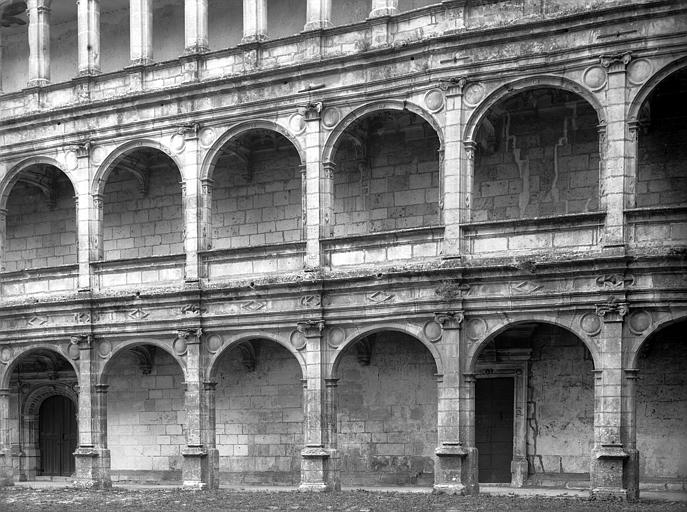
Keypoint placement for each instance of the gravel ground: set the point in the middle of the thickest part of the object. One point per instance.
(23, 499)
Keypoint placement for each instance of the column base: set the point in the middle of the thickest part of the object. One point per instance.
(319, 471)
(6, 468)
(452, 474)
(37, 82)
(92, 468)
(199, 469)
(518, 471)
(317, 25)
(383, 12)
(253, 38)
(608, 473)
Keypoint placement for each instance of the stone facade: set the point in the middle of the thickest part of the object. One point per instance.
(296, 246)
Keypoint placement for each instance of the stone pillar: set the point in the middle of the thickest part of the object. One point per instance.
(191, 197)
(318, 15)
(1, 53)
(615, 168)
(629, 434)
(453, 200)
(632, 163)
(84, 215)
(609, 457)
(5, 441)
(318, 465)
(327, 199)
(383, 8)
(92, 456)
(140, 32)
(200, 469)
(313, 212)
(254, 21)
(196, 26)
(88, 37)
(3, 236)
(207, 186)
(470, 466)
(450, 453)
(39, 43)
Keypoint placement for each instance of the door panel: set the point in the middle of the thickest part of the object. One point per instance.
(494, 428)
(57, 436)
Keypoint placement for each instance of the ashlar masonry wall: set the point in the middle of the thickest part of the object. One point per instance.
(387, 412)
(146, 418)
(392, 181)
(259, 420)
(538, 156)
(257, 198)
(662, 409)
(39, 234)
(137, 225)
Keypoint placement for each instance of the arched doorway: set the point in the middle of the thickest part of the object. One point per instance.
(57, 436)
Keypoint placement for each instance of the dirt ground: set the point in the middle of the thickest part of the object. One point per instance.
(22, 499)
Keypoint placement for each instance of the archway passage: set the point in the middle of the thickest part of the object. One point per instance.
(662, 151)
(387, 412)
(42, 414)
(387, 174)
(662, 409)
(142, 207)
(259, 414)
(537, 156)
(257, 196)
(57, 434)
(146, 415)
(41, 220)
(534, 407)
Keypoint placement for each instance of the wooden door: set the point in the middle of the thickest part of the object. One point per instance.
(494, 401)
(57, 436)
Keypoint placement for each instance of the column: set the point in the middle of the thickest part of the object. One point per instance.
(1, 52)
(84, 213)
(313, 212)
(613, 154)
(196, 26)
(318, 15)
(191, 197)
(470, 467)
(632, 154)
(39, 43)
(3, 236)
(200, 466)
(609, 457)
(254, 21)
(628, 433)
(383, 8)
(327, 199)
(5, 441)
(450, 452)
(92, 456)
(207, 186)
(318, 465)
(453, 200)
(141, 31)
(88, 13)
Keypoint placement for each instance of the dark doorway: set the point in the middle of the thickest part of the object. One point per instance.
(494, 428)
(57, 436)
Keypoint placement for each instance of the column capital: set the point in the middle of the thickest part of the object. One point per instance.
(310, 328)
(449, 320)
(329, 169)
(453, 86)
(190, 336)
(470, 149)
(612, 310)
(616, 63)
(84, 341)
(312, 110)
(189, 131)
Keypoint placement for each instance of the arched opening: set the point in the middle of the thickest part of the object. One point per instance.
(387, 174)
(387, 411)
(41, 220)
(257, 193)
(63, 41)
(661, 407)
(142, 207)
(225, 23)
(114, 35)
(354, 11)
(43, 415)
(534, 407)
(662, 145)
(146, 415)
(537, 156)
(168, 29)
(285, 18)
(259, 414)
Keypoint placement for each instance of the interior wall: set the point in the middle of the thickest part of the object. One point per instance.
(259, 419)
(145, 418)
(387, 414)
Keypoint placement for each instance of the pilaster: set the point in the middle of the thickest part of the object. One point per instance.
(88, 19)
(39, 43)
(318, 15)
(3, 237)
(84, 216)
(5, 442)
(254, 21)
(313, 186)
(196, 26)
(191, 196)
(141, 32)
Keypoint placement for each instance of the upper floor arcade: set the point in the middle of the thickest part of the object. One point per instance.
(487, 172)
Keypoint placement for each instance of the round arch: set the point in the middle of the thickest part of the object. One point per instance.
(111, 161)
(210, 160)
(32, 403)
(236, 340)
(334, 137)
(102, 374)
(535, 82)
(12, 363)
(14, 173)
(413, 331)
(476, 349)
(651, 85)
(649, 336)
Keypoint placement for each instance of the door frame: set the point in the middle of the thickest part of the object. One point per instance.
(512, 363)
